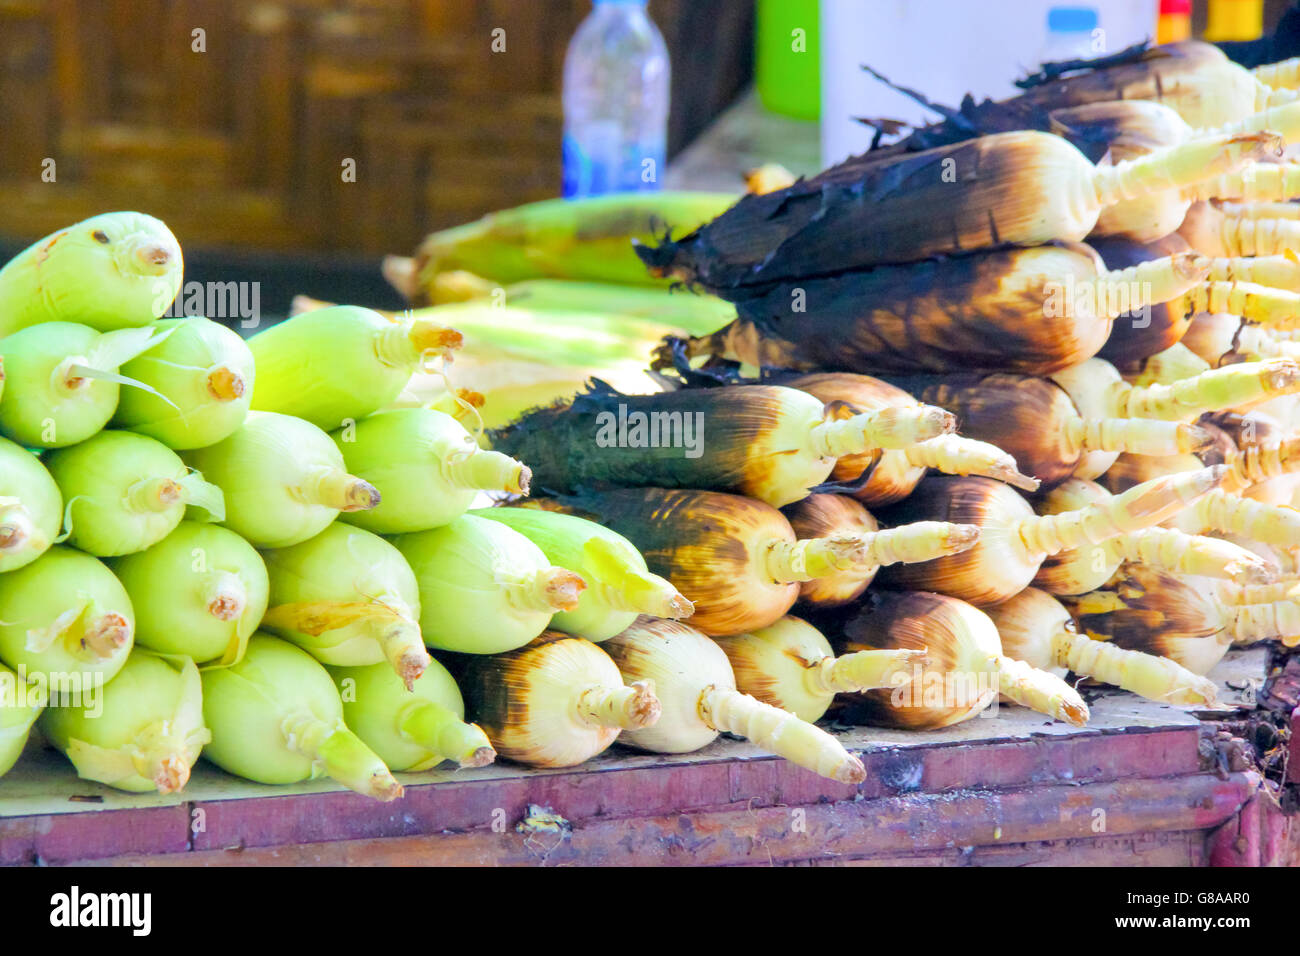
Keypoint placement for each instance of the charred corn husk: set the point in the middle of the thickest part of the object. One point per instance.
(770, 442)
(560, 238)
(1167, 367)
(1021, 188)
(697, 688)
(736, 559)
(1013, 541)
(1194, 79)
(1036, 422)
(1024, 310)
(1085, 569)
(825, 516)
(790, 665)
(1037, 629)
(963, 672)
(883, 476)
(1155, 612)
(555, 702)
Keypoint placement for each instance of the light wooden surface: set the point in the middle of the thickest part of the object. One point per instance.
(44, 783)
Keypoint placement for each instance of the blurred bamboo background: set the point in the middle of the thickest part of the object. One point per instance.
(242, 145)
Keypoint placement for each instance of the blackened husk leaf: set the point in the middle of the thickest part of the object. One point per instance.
(589, 443)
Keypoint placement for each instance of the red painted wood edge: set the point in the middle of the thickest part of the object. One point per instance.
(1260, 835)
(595, 791)
(855, 829)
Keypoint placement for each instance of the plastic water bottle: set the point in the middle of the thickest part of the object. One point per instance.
(615, 102)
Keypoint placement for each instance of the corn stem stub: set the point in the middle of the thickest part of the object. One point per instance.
(619, 585)
(425, 467)
(769, 442)
(484, 588)
(276, 718)
(31, 507)
(348, 598)
(413, 728)
(63, 382)
(1077, 571)
(338, 364)
(1038, 630)
(18, 712)
(126, 492)
(963, 671)
(890, 475)
(65, 616)
(735, 559)
(112, 271)
(557, 702)
(144, 730)
(282, 478)
(560, 238)
(825, 516)
(202, 378)
(1212, 231)
(200, 593)
(790, 665)
(1022, 188)
(1013, 541)
(1260, 182)
(697, 690)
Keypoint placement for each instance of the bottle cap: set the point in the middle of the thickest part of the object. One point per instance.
(1071, 19)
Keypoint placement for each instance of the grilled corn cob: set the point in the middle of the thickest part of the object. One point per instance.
(736, 559)
(1155, 612)
(1036, 422)
(790, 665)
(1037, 629)
(1029, 310)
(963, 672)
(1013, 541)
(697, 688)
(1086, 569)
(883, 476)
(556, 702)
(1022, 188)
(825, 516)
(769, 442)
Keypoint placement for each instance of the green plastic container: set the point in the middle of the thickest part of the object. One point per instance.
(788, 57)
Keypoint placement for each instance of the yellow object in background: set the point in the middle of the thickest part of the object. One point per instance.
(1235, 20)
(1175, 21)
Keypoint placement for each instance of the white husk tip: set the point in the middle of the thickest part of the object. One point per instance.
(173, 773)
(225, 384)
(226, 606)
(643, 707)
(410, 666)
(481, 757)
(850, 771)
(384, 787)
(106, 635)
(361, 495)
(562, 587)
(1246, 572)
(523, 481)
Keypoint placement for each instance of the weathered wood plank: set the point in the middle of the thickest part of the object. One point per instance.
(848, 830)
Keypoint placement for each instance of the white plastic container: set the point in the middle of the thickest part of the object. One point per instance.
(944, 49)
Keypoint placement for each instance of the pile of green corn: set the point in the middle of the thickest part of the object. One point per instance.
(245, 550)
